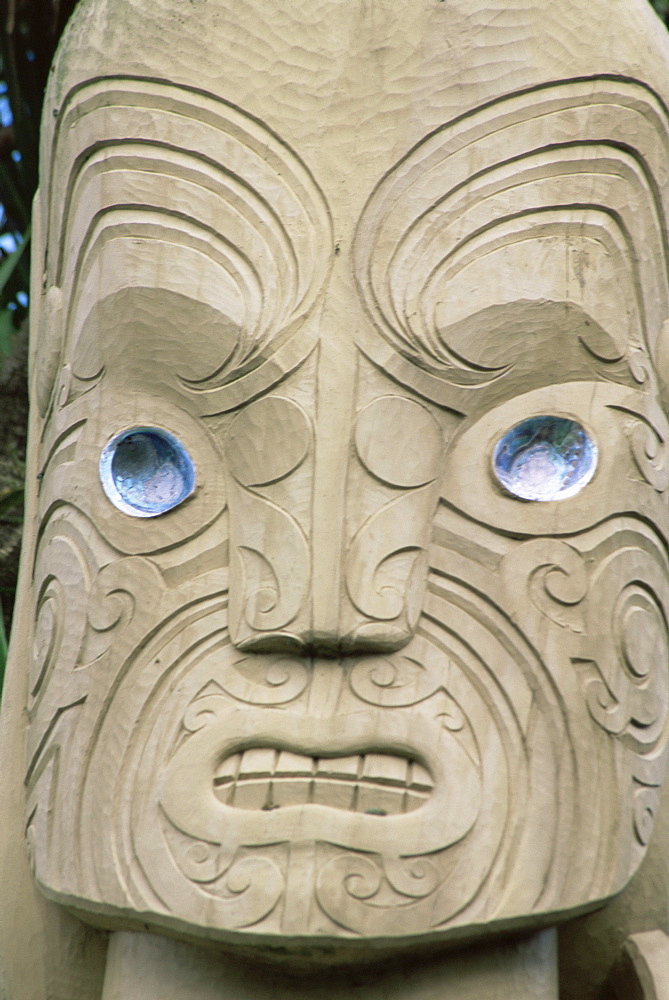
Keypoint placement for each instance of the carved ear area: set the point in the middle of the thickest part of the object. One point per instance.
(46, 316)
(49, 346)
(662, 365)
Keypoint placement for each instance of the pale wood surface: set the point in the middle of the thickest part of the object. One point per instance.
(350, 692)
(144, 967)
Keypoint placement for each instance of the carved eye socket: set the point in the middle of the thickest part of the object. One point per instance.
(545, 458)
(146, 471)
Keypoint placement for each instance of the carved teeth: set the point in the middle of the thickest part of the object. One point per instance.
(378, 783)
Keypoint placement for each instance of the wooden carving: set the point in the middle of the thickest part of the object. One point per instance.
(347, 589)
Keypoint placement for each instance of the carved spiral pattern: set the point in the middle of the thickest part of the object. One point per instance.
(401, 681)
(469, 695)
(646, 801)
(470, 687)
(49, 617)
(386, 893)
(630, 700)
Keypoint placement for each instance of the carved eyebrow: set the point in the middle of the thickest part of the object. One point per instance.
(557, 151)
(134, 155)
(116, 111)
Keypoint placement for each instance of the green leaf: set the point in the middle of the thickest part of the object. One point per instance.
(14, 200)
(10, 263)
(661, 7)
(6, 333)
(12, 499)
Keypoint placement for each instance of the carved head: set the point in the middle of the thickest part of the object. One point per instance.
(350, 585)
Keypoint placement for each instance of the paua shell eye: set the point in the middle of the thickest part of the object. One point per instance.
(545, 458)
(146, 471)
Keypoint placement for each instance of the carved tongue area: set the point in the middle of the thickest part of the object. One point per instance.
(375, 783)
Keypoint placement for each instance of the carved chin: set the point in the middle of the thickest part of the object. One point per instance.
(349, 773)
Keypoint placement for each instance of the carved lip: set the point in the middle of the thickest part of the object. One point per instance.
(195, 805)
(380, 784)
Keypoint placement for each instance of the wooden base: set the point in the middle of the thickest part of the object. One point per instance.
(147, 967)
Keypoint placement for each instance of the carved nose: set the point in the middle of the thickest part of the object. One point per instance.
(339, 578)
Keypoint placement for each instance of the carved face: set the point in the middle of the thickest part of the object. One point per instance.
(308, 662)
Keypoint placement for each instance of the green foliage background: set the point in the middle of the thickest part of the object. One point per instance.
(29, 33)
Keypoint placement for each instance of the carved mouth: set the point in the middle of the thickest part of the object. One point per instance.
(375, 783)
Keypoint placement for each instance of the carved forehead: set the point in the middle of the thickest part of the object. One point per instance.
(152, 184)
(352, 85)
(406, 66)
(482, 211)
(277, 127)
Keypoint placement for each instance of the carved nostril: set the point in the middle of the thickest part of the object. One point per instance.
(367, 639)
(271, 642)
(374, 637)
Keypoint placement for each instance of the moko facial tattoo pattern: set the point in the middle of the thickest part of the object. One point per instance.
(323, 669)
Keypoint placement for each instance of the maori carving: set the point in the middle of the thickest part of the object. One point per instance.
(264, 258)
(649, 435)
(431, 229)
(349, 684)
(270, 550)
(610, 600)
(414, 759)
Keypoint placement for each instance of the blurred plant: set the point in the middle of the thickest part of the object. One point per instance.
(3, 649)
(29, 33)
(662, 8)
(7, 503)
